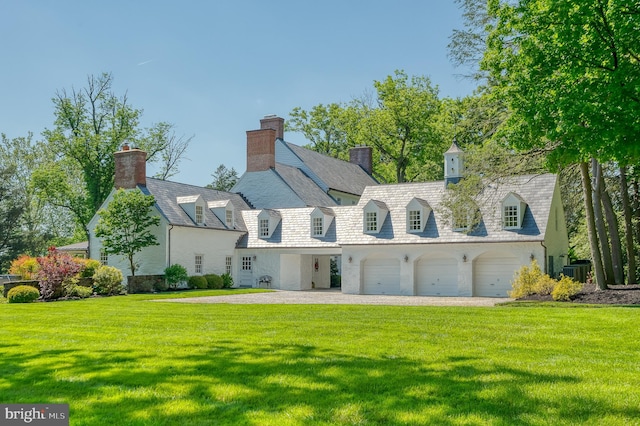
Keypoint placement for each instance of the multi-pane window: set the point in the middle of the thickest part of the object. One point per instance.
(511, 217)
(371, 221)
(104, 257)
(264, 227)
(199, 213)
(461, 219)
(415, 220)
(198, 264)
(227, 265)
(246, 263)
(229, 218)
(317, 225)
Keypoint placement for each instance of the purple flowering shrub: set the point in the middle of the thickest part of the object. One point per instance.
(55, 269)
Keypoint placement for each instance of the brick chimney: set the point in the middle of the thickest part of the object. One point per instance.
(131, 168)
(273, 122)
(261, 150)
(362, 156)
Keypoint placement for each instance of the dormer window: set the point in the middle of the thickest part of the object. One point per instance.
(418, 212)
(375, 213)
(513, 208)
(464, 218)
(321, 218)
(268, 220)
(224, 211)
(193, 206)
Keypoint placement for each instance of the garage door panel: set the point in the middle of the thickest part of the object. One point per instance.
(381, 276)
(437, 277)
(493, 276)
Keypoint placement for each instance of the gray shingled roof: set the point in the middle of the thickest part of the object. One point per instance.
(310, 193)
(347, 227)
(337, 174)
(166, 194)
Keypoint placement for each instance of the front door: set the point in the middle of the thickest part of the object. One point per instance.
(246, 272)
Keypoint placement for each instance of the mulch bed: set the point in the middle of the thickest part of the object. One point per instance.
(614, 295)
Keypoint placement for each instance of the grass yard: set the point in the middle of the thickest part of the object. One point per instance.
(128, 361)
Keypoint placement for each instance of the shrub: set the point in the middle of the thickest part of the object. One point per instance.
(25, 266)
(197, 281)
(107, 280)
(160, 284)
(566, 289)
(545, 285)
(72, 289)
(23, 294)
(55, 267)
(227, 280)
(89, 267)
(214, 281)
(175, 274)
(524, 283)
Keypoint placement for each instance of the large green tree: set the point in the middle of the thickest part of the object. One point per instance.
(570, 76)
(90, 125)
(126, 225)
(12, 206)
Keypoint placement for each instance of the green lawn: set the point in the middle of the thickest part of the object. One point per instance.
(128, 361)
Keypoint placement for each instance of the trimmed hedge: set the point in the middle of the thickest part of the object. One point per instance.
(197, 281)
(23, 294)
(214, 281)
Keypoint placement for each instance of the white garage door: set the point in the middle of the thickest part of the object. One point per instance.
(381, 276)
(492, 275)
(437, 277)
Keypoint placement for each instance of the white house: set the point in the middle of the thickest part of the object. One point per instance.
(294, 209)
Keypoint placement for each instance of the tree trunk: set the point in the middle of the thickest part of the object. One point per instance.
(614, 232)
(598, 216)
(628, 226)
(596, 258)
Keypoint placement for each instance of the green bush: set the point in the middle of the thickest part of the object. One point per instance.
(227, 280)
(89, 267)
(160, 284)
(566, 289)
(23, 294)
(525, 281)
(107, 280)
(74, 290)
(175, 274)
(214, 281)
(197, 281)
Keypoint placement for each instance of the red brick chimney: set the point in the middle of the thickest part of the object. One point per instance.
(131, 168)
(261, 150)
(273, 122)
(362, 156)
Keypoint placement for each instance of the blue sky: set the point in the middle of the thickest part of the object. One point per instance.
(214, 68)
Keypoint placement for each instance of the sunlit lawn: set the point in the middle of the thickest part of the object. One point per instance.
(128, 361)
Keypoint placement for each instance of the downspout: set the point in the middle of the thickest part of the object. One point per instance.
(546, 258)
(169, 246)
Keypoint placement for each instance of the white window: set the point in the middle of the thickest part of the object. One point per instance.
(227, 265)
(510, 216)
(246, 263)
(104, 257)
(199, 212)
(415, 220)
(198, 264)
(264, 227)
(317, 226)
(229, 218)
(461, 219)
(371, 221)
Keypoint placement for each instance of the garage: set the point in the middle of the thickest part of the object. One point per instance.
(493, 273)
(381, 276)
(437, 277)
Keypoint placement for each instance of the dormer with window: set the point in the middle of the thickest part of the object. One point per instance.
(513, 207)
(321, 219)
(418, 211)
(374, 214)
(224, 210)
(268, 220)
(193, 206)
(465, 217)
